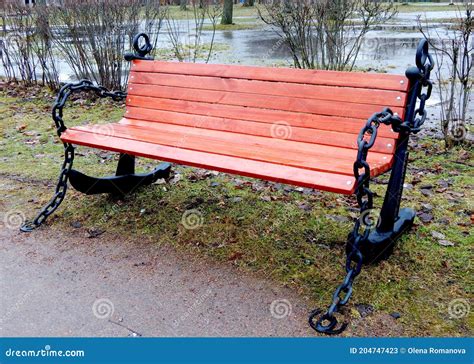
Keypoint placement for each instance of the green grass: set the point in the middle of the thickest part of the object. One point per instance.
(245, 18)
(175, 12)
(425, 7)
(188, 51)
(257, 226)
(246, 26)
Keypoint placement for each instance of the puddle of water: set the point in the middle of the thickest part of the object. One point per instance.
(391, 47)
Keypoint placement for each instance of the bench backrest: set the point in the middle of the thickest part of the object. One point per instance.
(312, 106)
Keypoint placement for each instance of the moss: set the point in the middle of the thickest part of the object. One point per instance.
(422, 8)
(169, 53)
(221, 27)
(175, 12)
(262, 227)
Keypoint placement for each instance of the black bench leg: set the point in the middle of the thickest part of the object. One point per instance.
(126, 165)
(393, 221)
(124, 182)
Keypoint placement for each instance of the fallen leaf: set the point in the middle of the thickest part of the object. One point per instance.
(425, 217)
(337, 218)
(426, 192)
(445, 243)
(235, 256)
(427, 207)
(94, 233)
(437, 235)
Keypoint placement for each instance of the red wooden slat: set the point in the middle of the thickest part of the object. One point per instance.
(224, 118)
(383, 98)
(331, 108)
(277, 151)
(322, 122)
(147, 118)
(250, 168)
(313, 77)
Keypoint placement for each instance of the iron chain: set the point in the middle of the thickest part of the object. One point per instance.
(427, 85)
(327, 322)
(83, 85)
(422, 88)
(57, 113)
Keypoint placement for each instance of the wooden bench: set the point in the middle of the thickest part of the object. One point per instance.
(300, 127)
(292, 126)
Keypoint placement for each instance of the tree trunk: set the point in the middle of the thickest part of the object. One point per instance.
(183, 4)
(227, 12)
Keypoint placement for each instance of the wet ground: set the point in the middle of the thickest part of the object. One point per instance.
(390, 47)
(64, 284)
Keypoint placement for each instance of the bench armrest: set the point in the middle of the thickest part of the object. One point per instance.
(70, 88)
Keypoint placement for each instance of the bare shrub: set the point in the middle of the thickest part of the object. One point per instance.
(26, 49)
(94, 35)
(453, 52)
(17, 52)
(43, 48)
(186, 35)
(325, 34)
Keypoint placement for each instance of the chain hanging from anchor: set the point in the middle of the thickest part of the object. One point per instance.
(421, 88)
(327, 322)
(57, 113)
(423, 96)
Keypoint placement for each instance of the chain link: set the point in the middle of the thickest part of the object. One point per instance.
(57, 113)
(83, 85)
(327, 322)
(423, 96)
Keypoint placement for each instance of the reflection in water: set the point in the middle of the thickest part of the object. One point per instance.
(228, 34)
(387, 49)
(390, 48)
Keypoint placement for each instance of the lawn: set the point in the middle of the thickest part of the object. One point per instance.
(175, 12)
(293, 236)
(252, 12)
(426, 7)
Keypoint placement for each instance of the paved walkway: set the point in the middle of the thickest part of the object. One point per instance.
(63, 284)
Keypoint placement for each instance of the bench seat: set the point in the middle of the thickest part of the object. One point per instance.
(291, 126)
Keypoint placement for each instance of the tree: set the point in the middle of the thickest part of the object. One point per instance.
(454, 65)
(228, 12)
(325, 34)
